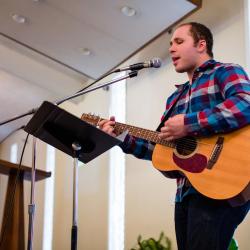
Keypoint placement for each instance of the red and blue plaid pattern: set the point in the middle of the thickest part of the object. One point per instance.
(217, 101)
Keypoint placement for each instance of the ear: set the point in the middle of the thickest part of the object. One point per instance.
(202, 46)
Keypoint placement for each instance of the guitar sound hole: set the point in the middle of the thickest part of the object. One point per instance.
(186, 145)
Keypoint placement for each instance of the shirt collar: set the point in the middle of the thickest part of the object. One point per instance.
(206, 65)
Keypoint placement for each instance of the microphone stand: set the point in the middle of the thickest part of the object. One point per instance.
(31, 208)
(30, 112)
(129, 75)
(82, 92)
(76, 147)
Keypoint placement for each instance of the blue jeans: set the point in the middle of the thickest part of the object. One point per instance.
(206, 224)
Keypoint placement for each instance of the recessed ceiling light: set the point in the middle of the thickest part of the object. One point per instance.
(19, 18)
(128, 11)
(86, 51)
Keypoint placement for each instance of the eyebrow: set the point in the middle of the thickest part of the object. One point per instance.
(175, 39)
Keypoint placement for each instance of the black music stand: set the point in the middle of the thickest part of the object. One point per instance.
(74, 137)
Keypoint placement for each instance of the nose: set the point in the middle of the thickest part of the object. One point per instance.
(171, 49)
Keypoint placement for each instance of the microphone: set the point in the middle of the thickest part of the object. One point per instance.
(153, 63)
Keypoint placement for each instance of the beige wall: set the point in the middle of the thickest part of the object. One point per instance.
(149, 206)
(93, 190)
(149, 196)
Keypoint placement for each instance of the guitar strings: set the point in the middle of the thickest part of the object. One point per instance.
(154, 136)
(192, 142)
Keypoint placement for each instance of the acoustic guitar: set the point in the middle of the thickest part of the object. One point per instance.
(217, 166)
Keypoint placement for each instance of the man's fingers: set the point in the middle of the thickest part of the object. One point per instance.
(169, 138)
(105, 123)
(166, 136)
(112, 118)
(110, 130)
(164, 129)
(107, 126)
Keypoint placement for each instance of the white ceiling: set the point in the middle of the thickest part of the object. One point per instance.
(41, 58)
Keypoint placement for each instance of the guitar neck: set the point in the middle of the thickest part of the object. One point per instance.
(142, 133)
(146, 134)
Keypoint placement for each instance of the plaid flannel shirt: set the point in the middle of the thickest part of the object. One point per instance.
(217, 101)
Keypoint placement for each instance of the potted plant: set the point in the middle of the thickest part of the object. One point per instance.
(163, 243)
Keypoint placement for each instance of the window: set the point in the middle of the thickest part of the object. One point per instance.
(13, 153)
(49, 199)
(117, 172)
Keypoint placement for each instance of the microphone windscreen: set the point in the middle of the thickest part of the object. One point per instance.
(155, 62)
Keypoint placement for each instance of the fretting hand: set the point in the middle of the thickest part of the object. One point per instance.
(108, 126)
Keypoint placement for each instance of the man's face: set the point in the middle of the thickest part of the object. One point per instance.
(184, 54)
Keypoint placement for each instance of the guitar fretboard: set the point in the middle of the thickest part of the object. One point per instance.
(149, 135)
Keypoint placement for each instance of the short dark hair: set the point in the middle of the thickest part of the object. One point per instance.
(201, 32)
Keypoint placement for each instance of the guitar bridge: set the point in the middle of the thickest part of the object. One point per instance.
(216, 152)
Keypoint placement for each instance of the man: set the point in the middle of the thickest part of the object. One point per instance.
(216, 99)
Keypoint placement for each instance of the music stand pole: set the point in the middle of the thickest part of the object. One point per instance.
(31, 209)
(76, 149)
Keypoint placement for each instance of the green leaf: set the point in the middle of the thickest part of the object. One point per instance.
(161, 237)
(163, 243)
(153, 244)
(233, 245)
(139, 239)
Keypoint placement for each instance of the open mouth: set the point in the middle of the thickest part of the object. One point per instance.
(175, 59)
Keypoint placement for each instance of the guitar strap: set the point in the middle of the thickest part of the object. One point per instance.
(170, 109)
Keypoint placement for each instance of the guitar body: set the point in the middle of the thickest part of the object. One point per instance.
(227, 177)
(217, 166)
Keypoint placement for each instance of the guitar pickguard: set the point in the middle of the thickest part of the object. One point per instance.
(194, 164)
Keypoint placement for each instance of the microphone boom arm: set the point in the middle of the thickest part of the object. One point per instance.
(30, 112)
(129, 75)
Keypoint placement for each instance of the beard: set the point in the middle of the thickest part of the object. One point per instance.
(186, 67)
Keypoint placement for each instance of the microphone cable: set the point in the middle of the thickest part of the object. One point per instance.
(6, 219)
(88, 86)
(32, 111)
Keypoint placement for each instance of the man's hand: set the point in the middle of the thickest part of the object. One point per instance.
(108, 126)
(174, 128)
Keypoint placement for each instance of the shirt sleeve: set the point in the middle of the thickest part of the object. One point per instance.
(140, 148)
(230, 114)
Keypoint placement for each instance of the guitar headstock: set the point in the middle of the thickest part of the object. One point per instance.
(91, 119)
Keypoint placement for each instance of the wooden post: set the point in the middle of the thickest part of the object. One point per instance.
(12, 238)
